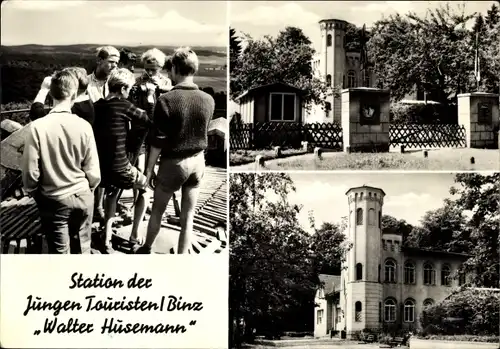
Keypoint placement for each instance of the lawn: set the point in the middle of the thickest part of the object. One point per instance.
(439, 159)
(242, 157)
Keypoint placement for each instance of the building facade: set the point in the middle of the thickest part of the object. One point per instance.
(382, 284)
(338, 67)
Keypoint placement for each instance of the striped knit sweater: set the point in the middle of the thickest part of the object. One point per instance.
(111, 130)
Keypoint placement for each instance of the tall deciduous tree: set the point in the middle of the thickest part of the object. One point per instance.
(271, 269)
(286, 58)
(435, 52)
(234, 49)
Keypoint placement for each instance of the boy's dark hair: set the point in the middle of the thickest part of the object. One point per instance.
(168, 64)
(64, 85)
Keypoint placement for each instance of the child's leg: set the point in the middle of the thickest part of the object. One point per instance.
(139, 212)
(188, 206)
(110, 202)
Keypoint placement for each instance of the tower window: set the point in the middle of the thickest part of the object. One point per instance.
(359, 271)
(380, 219)
(371, 216)
(359, 216)
(366, 79)
(445, 276)
(328, 109)
(329, 80)
(358, 308)
(379, 272)
(429, 274)
(329, 40)
(390, 271)
(409, 311)
(319, 316)
(351, 79)
(390, 310)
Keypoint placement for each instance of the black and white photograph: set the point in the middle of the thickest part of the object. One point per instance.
(114, 127)
(364, 260)
(364, 85)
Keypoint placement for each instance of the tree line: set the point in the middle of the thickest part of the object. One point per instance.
(23, 73)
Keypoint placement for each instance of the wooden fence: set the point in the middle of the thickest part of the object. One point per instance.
(329, 135)
(286, 135)
(427, 135)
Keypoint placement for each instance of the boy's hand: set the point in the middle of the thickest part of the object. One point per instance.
(46, 82)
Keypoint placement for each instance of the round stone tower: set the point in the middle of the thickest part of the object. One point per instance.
(363, 290)
(332, 59)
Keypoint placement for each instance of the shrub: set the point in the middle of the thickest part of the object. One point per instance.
(471, 312)
(406, 113)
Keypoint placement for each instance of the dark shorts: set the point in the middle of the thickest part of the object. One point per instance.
(175, 174)
(121, 180)
(67, 222)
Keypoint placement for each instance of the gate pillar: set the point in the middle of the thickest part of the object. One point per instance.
(365, 119)
(478, 113)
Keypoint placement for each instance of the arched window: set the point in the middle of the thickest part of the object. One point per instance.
(371, 216)
(343, 81)
(390, 310)
(329, 80)
(409, 273)
(359, 216)
(390, 271)
(329, 40)
(358, 308)
(351, 79)
(429, 274)
(379, 272)
(409, 311)
(359, 271)
(366, 79)
(445, 275)
(428, 303)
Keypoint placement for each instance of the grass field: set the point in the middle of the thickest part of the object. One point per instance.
(441, 159)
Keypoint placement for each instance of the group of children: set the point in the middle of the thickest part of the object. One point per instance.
(104, 135)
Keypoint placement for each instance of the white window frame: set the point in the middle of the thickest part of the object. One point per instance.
(319, 316)
(409, 309)
(409, 269)
(388, 273)
(282, 94)
(393, 311)
(429, 270)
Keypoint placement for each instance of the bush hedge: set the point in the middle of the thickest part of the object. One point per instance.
(468, 312)
(420, 113)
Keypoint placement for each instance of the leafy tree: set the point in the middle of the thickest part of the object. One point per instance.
(329, 245)
(435, 53)
(270, 259)
(480, 195)
(286, 58)
(234, 49)
(492, 16)
(392, 225)
(441, 229)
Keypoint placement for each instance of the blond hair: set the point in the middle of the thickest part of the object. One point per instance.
(185, 61)
(104, 52)
(64, 85)
(119, 78)
(155, 56)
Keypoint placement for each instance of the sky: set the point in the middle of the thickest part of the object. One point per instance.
(194, 23)
(408, 195)
(259, 18)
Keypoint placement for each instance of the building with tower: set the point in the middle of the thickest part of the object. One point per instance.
(382, 284)
(337, 67)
